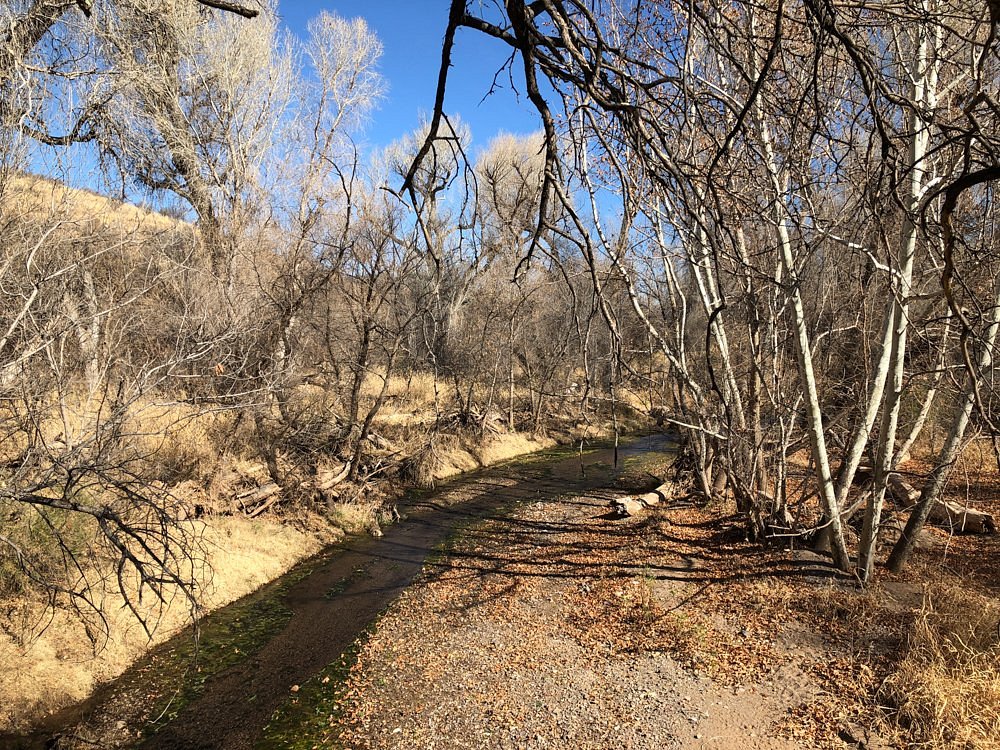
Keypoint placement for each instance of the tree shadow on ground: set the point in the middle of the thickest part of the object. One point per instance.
(568, 536)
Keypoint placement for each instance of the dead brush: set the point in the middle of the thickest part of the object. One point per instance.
(172, 443)
(426, 462)
(418, 468)
(359, 517)
(945, 692)
(858, 615)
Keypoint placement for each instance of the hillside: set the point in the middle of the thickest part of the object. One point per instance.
(38, 197)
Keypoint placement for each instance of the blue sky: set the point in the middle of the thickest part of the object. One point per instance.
(411, 35)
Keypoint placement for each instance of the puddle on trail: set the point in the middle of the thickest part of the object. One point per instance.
(252, 678)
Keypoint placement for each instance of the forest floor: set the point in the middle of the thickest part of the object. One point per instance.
(540, 621)
(50, 659)
(558, 626)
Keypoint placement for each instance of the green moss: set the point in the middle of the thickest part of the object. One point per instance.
(179, 671)
(311, 717)
(341, 586)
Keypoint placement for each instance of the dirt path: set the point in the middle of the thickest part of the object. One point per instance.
(558, 627)
(329, 609)
(514, 614)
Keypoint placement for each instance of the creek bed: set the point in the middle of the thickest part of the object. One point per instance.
(225, 689)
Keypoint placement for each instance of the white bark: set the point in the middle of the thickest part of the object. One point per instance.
(924, 92)
(931, 492)
(630, 506)
(925, 408)
(804, 360)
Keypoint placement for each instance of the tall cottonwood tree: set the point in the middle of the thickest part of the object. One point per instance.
(115, 319)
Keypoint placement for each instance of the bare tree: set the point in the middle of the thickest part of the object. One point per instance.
(75, 443)
(828, 124)
(115, 326)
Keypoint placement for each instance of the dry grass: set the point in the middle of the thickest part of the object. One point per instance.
(409, 400)
(203, 458)
(178, 442)
(927, 667)
(439, 458)
(172, 441)
(59, 666)
(448, 455)
(245, 554)
(356, 517)
(417, 389)
(945, 691)
(41, 197)
(504, 447)
(924, 675)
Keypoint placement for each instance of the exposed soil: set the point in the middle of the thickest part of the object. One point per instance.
(560, 627)
(329, 608)
(509, 610)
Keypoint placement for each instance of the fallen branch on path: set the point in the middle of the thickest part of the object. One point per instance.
(630, 506)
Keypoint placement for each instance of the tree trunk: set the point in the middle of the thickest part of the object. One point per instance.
(925, 408)
(803, 354)
(931, 492)
(376, 407)
(956, 518)
(923, 91)
(511, 425)
(631, 506)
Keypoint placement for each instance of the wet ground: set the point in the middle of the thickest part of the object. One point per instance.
(306, 622)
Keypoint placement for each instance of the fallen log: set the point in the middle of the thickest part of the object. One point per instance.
(630, 506)
(328, 480)
(255, 501)
(264, 506)
(250, 498)
(952, 516)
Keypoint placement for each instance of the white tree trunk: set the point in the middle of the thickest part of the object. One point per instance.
(804, 359)
(931, 492)
(924, 86)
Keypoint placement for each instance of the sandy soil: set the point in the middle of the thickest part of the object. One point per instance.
(539, 621)
(559, 627)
